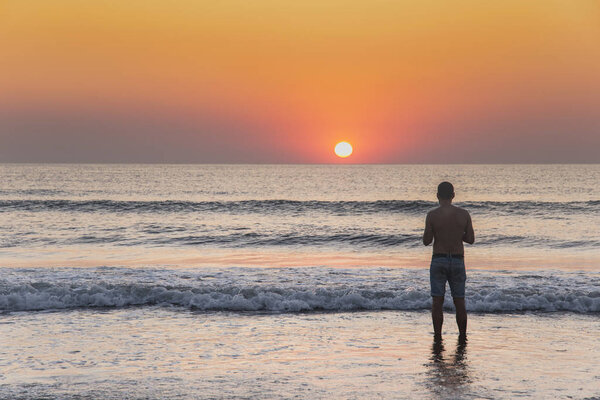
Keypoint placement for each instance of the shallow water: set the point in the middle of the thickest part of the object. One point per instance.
(156, 353)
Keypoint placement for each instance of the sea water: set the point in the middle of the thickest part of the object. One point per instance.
(262, 281)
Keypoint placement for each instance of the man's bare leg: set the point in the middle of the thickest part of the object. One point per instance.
(461, 316)
(437, 315)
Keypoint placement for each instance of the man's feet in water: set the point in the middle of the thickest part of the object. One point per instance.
(462, 338)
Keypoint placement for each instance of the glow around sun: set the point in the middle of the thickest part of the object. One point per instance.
(343, 149)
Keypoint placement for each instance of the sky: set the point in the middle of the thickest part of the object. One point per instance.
(276, 81)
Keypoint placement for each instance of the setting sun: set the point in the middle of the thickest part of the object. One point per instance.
(343, 149)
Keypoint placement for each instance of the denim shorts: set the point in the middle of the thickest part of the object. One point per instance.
(447, 269)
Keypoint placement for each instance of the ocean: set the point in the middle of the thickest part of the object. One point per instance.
(293, 281)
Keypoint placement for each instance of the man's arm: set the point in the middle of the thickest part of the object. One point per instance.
(469, 235)
(428, 233)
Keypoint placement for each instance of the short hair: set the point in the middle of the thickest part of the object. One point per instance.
(445, 191)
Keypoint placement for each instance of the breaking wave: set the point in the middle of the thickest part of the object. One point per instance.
(338, 291)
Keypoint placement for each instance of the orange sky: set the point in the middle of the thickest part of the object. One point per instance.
(283, 81)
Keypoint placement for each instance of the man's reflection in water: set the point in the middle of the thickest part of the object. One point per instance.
(448, 374)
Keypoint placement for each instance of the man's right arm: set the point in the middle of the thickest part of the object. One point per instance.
(428, 233)
(469, 235)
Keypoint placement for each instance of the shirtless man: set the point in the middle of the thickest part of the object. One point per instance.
(448, 227)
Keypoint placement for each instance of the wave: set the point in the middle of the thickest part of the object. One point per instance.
(244, 206)
(242, 238)
(252, 239)
(364, 240)
(290, 206)
(359, 240)
(39, 296)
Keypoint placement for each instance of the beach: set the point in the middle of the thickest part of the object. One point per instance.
(158, 353)
(264, 281)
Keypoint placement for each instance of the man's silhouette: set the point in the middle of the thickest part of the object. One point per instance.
(448, 227)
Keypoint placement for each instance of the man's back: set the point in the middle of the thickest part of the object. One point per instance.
(448, 226)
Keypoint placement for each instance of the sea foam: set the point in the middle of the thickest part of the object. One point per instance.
(290, 290)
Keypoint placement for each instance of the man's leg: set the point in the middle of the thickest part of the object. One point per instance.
(437, 315)
(461, 316)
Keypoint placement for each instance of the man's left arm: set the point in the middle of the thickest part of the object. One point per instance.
(469, 235)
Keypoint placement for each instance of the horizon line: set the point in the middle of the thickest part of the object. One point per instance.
(279, 164)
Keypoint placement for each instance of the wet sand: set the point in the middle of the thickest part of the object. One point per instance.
(160, 353)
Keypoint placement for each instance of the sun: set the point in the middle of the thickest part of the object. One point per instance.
(343, 149)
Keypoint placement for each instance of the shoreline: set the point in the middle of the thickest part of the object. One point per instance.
(157, 353)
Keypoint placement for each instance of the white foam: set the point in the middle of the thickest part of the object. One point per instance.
(289, 290)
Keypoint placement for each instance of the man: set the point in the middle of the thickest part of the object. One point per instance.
(448, 227)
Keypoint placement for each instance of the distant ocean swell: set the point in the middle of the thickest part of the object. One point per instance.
(365, 239)
(38, 296)
(291, 206)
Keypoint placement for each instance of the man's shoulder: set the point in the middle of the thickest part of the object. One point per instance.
(462, 211)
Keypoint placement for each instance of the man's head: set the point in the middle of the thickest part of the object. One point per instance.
(445, 191)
